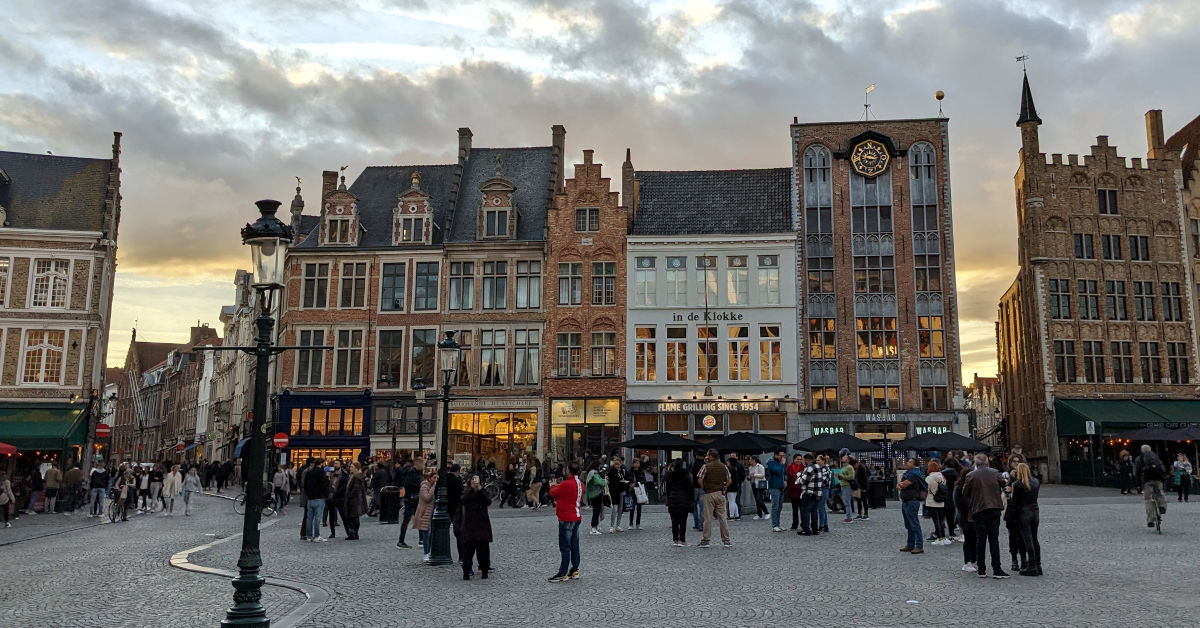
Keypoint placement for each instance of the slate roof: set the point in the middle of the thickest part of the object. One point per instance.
(1028, 111)
(53, 192)
(151, 354)
(693, 202)
(531, 170)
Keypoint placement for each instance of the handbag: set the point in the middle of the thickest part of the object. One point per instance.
(639, 492)
(607, 501)
(627, 504)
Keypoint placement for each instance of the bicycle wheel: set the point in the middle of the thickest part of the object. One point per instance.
(493, 491)
(114, 509)
(239, 504)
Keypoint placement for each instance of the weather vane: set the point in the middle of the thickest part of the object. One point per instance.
(1022, 59)
(343, 171)
(867, 102)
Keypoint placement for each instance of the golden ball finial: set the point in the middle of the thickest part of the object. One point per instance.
(939, 94)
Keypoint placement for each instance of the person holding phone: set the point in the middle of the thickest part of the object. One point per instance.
(476, 529)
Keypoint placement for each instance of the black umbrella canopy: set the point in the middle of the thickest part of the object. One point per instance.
(744, 442)
(660, 440)
(834, 442)
(946, 441)
(1191, 432)
(1150, 433)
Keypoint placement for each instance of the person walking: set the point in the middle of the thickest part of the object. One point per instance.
(983, 489)
(715, 480)
(968, 527)
(1125, 471)
(912, 485)
(280, 485)
(936, 497)
(191, 484)
(862, 477)
(618, 483)
(795, 490)
(776, 476)
(737, 476)
(338, 477)
(424, 512)
(7, 498)
(697, 492)
(596, 489)
(156, 484)
(1182, 469)
(127, 492)
(476, 533)
(1149, 472)
(356, 494)
(315, 486)
(568, 495)
(809, 481)
(410, 485)
(757, 475)
(171, 488)
(53, 483)
(302, 499)
(535, 476)
(1024, 502)
(638, 476)
(846, 478)
(680, 498)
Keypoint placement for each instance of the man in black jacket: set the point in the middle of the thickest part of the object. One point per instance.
(337, 498)
(454, 491)
(410, 481)
(316, 490)
(737, 474)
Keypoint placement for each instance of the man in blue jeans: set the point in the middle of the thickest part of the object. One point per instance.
(316, 490)
(568, 495)
(911, 486)
(776, 483)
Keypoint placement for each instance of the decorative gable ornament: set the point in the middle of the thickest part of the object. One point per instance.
(412, 216)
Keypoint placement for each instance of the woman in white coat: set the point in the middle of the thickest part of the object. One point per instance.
(172, 488)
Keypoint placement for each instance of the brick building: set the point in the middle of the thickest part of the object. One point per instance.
(878, 309)
(1100, 324)
(396, 259)
(138, 419)
(585, 289)
(982, 397)
(58, 231)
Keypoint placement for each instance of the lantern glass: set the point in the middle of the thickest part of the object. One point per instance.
(448, 355)
(268, 256)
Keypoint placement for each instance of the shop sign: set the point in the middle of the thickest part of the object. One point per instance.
(931, 429)
(604, 410)
(566, 411)
(711, 407)
(678, 317)
(828, 429)
(708, 422)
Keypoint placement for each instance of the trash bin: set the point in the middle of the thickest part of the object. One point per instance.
(877, 489)
(389, 504)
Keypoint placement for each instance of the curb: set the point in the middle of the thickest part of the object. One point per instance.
(314, 596)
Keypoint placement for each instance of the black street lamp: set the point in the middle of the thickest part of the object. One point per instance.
(268, 238)
(418, 387)
(439, 553)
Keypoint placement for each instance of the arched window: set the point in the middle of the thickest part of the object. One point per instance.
(818, 190)
(922, 179)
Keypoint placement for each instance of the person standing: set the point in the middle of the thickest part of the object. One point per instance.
(355, 495)
(302, 499)
(6, 498)
(617, 485)
(697, 492)
(454, 493)
(951, 470)
(156, 484)
(715, 480)
(171, 488)
(1024, 502)
(826, 476)
(737, 476)
(424, 514)
(862, 477)
(127, 492)
(911, 487)
(809, 481)
(53, 483)
(98, 482)
(679, 501)
(776, 476)
(983, 490)
(757, 474)
(795, 490)
(74, 489)
(36, 485)
(568, 495)
(279, 484)
(596, 489)
(191, 484)
(968, 527)
(1125, 470)
(936, 497)
(638, 476)
(846, 477)
(337, 497)
(476, 528)
(1182, 469)
(410, 484)
(315, 486)
(535, 477)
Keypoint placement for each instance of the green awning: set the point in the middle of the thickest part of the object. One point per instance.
(48, 428)
(1071, 415)
(1174, 411)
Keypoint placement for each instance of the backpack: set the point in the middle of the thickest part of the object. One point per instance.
(1154, 470)
(940, 495)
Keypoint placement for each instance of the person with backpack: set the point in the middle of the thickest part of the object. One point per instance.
(912, 492)
(1150, 472)
(935, 502)
(596, 484)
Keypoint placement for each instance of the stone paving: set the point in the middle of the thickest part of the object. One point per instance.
(1103, 568)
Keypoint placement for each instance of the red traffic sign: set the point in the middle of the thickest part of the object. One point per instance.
(179, 447)
(103, 430)
(280, 440)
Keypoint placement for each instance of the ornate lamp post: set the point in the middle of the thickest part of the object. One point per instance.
(268, 239)
(439, 553)
(419, 387)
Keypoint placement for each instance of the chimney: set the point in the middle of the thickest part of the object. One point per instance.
(464, 144)
(328, 185)
(628, 195)
(558, 144)
(1154, 134)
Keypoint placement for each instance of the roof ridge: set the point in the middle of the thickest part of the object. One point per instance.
(410, 166)
(475, 148)
(773, 168)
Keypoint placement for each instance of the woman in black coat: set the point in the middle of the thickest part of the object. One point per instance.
(680, 500)
(475, 529)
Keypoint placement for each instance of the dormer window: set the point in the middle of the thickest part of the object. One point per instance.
(412, 229)
(411, 214)
(497, 217)
(339, 231)
(495, 221)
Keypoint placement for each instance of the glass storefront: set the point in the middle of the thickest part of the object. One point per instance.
(581, 427)
(498, 437)
(298, 455)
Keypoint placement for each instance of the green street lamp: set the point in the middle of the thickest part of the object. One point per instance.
(439, 551)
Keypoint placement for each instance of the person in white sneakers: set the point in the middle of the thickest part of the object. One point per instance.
(172, 487)
(757, 474)
(935, 502)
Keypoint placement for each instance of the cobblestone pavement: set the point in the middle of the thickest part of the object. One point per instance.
(1098, 557)
(76, 571)
(1103, 568)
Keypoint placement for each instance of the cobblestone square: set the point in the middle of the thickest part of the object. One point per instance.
(1103, 568)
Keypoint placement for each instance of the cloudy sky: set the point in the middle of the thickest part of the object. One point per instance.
(223, 103)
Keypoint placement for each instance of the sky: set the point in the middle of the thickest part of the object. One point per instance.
(225, 103)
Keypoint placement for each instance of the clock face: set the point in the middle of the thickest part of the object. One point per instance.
(869, 158)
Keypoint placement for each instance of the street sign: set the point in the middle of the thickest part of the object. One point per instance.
(179, 447)
(103, 430)
(280, 440)
(1089, 427)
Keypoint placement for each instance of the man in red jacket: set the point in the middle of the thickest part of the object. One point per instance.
(794, 489)
(567, 495)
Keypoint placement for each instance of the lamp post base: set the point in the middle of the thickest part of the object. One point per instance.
(248, 609)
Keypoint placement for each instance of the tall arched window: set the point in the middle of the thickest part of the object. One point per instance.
(927, 267)
(818, 247)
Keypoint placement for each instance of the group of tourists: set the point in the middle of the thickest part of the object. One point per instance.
(1177, 478)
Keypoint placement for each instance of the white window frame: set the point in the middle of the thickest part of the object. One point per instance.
(645, 281)
(34, 275)
(304, 279)
(312, 353)
(26, 348)
(737, 282)
(765, 344)
(6, 265)
(337, 351)
(769, 291)
(649, 375)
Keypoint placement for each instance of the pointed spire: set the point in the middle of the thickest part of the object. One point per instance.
(298, 201)
(1028, 111)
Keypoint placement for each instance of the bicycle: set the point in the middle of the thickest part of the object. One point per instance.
(1160, 504)
(239, 502)
(114, 510)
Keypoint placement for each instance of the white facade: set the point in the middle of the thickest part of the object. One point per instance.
(751, 312)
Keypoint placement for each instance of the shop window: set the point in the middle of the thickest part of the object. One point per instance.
(645, 422)
(675, 423)
(741, 423)
(772, 422)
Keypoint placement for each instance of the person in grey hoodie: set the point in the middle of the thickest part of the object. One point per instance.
(191, 484)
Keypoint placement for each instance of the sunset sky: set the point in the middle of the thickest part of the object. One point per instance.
(224, 103)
